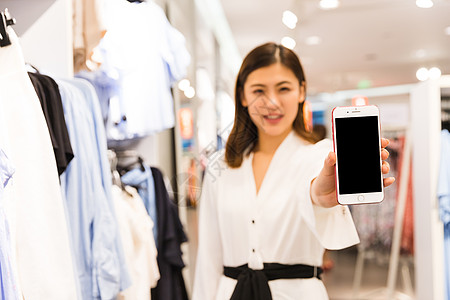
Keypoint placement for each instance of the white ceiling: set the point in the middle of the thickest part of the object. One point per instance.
(376, 40)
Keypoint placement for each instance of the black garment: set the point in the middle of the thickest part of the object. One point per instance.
(254, 284)
(50, 98)
(170, 237)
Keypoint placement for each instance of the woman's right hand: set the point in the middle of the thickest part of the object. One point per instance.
(323, 187)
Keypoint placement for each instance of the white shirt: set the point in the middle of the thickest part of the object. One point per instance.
(149, 55)
(135, 227)
(39, 227)
(278, 225)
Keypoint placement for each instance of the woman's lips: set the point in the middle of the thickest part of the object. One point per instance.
(273, 119)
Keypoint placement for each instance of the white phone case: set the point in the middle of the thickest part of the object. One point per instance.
(362, 193)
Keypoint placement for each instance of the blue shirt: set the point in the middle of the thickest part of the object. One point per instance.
(92, 102)
(143, 180)
(7, 280)
(105, 86)
(100, 262)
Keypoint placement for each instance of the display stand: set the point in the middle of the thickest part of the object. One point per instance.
(389, 292)
(428, 228)
(399, 217)
(425, 121)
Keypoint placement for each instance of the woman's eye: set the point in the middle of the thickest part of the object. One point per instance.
(257, 92)
(284, 89)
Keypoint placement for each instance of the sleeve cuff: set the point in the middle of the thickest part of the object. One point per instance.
(333, 227)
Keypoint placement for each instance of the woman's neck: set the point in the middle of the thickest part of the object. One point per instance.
(269, 144)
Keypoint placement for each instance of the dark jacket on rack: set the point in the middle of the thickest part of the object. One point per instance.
(170, 237)
(48, 93)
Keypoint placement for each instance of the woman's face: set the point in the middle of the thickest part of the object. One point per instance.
(272, 95)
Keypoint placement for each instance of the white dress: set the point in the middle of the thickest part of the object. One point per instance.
(278, 225)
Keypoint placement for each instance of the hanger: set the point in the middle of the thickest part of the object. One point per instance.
(137, 163)
(5, 21)
(32, 68)
(128, 160)
(113, 160)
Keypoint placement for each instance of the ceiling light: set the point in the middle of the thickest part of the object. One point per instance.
(447, 30)
(329, 4)
(189, 92)
(184, 84)
(313, 40)
(424, 3)
(288, 42)
(289, 19)
(434, 73)
(422, 74)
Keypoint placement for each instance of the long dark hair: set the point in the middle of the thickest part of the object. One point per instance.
(244, 132)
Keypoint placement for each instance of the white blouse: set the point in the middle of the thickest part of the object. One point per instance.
(136, 234)
(35, 208)
(279, 224)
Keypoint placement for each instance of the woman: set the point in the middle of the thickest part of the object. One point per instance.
(268, 207)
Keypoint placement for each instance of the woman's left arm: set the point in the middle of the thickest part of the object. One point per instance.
(323, 187)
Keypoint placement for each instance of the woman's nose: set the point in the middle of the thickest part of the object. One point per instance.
(271, 102)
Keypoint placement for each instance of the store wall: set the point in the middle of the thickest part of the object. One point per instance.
(27, 17)
(47, 43)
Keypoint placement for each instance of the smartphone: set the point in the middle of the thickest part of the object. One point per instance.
(357, 144)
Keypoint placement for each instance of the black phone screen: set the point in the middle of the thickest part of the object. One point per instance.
(358, 155)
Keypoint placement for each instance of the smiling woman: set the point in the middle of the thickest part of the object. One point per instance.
(270, 90)
(272, 96)
(268, 211)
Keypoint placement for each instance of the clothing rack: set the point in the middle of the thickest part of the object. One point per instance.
(128, 160)
(389, 292)
(6, 20)
(399, 217)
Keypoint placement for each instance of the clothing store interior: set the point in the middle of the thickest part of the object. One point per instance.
(101, 198)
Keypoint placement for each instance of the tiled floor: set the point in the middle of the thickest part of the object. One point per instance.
(339, 281)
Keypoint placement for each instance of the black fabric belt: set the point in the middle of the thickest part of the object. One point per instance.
(254, 284)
